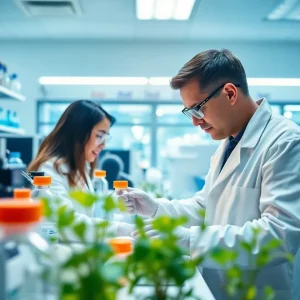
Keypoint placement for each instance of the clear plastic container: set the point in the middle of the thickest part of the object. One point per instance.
(42, 190)
(122, 216)
(101, 189)
(6, 78)
(15, 84)
(28, 270)
(2, 74)
(22, 195)
(15, 161)
(122, 247)
(2, 116)
(14, 120)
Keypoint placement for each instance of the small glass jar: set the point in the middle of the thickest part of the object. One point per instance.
(122, 216)
(42, 191)
(22, 248)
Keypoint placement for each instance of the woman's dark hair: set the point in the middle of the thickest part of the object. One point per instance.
(67, 140)
(212, 68)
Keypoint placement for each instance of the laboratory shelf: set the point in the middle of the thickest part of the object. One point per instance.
(7, 93)
(8, 129)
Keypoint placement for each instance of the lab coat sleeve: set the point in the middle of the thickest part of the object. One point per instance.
(185, 207)
(60, 188)
(279, 206)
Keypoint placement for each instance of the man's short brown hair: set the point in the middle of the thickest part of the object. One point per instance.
(212, 68)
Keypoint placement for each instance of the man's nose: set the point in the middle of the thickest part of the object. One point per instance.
(196, 121)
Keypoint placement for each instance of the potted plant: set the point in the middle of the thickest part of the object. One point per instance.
(83, 269)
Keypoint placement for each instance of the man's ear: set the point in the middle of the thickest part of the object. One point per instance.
(231, 91)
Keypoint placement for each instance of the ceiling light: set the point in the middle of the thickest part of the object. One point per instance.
(156, 81)
(283, 10)
(183, 9)
(159, 80)
(251, 81)
(164, 9)
(93, 80)
(145, 9)
(159, 112)
(288, 114)
(273, 81)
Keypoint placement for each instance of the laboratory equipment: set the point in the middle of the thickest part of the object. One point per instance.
(22, 249)
(42, 191)
(101, 188)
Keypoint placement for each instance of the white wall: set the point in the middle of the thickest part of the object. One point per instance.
(31, 59)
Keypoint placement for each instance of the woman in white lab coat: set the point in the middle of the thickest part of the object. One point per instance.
(69, 155)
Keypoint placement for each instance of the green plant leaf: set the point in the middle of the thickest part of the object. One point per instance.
(231, 289)
(102, 224)
(234, 272)
(139, 222)
(256, 231)
(121, 206)
(263, 258)
(47, 208)
(223, 256)
(83, 198)
(202, 213)
(290, 257)
(251, 293)
(109, 204)
(269, 293)
(142, 248)
(66, 216)
(80, 229)
(273, 244)
(246, 246)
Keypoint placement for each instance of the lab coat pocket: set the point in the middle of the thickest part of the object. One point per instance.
(244, 205)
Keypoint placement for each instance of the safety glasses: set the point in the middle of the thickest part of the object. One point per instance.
(196, 110)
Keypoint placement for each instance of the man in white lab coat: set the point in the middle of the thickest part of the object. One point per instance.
(254, 176)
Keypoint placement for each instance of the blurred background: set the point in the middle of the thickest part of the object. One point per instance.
(122, 54)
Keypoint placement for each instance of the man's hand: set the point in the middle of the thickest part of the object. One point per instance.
(138, 202)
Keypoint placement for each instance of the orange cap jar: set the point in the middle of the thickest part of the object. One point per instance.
(99, 173)
(121, 245)
(22, 194)
(42, 180)
(120, 184)
(18, 216)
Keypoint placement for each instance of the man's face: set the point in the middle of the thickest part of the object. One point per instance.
(218, 113)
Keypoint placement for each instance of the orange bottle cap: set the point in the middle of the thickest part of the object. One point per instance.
(121, 245)
(42, 180)
(99, 173)
(22, 194)
(120, 184)
(16, 212)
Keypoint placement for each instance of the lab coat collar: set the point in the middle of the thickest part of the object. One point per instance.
(250, 138)
(257, 124)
